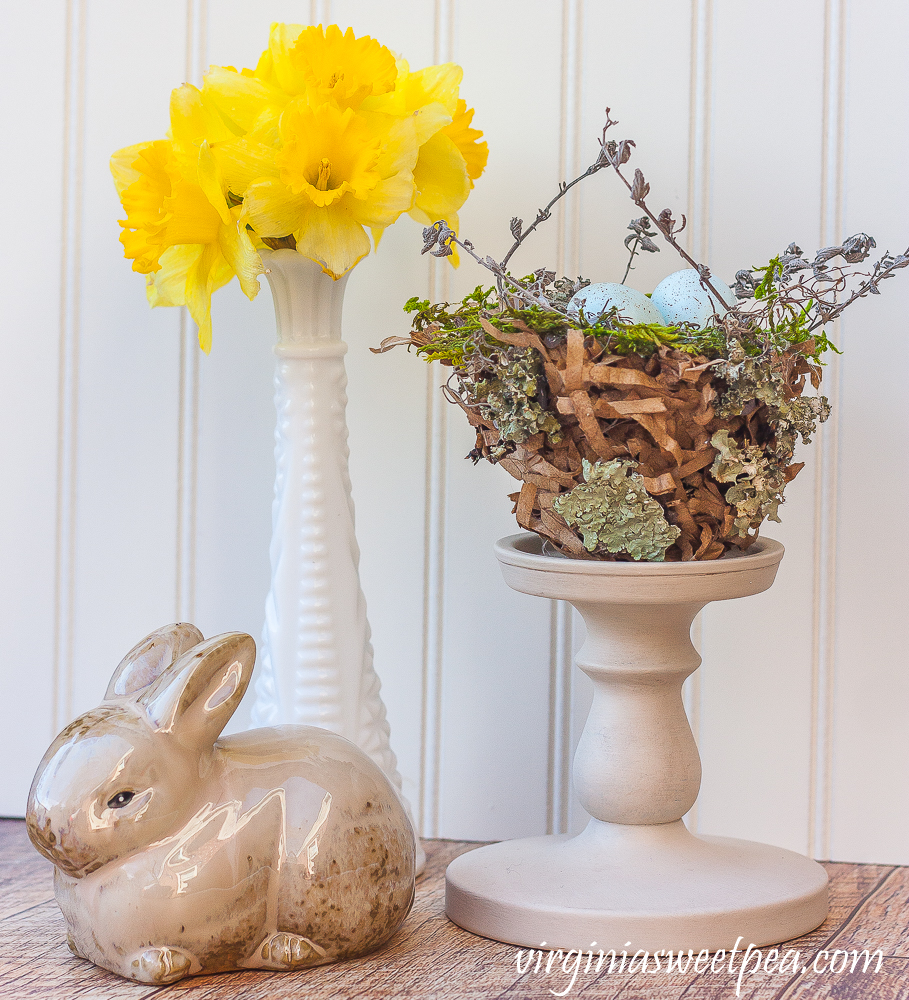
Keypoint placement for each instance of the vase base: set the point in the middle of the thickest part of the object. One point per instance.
(636, 887)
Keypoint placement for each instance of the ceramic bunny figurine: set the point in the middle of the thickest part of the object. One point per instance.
(178, 853)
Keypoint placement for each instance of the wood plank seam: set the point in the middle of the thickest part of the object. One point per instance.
(835, 933)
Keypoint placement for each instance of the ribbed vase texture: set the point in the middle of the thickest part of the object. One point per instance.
(315, 660)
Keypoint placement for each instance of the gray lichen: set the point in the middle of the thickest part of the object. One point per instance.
(510, 400)
(614, 512)
(798, 416)
(748, 379)
(751, 379)
(758, 481)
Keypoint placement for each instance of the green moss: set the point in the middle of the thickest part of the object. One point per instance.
(457, 330)
(788, 322)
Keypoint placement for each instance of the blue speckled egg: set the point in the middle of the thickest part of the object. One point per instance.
(633, 306)
(681, 298)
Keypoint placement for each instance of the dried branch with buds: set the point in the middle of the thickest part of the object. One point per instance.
(643, 440)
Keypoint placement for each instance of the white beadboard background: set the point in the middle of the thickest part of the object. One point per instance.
(137, 474)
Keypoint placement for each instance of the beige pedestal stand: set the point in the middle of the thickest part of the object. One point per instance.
(636, 875)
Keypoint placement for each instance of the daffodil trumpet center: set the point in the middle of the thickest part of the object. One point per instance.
(327, 153)
(324, 175)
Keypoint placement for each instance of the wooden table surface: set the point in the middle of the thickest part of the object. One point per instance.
(432, 958)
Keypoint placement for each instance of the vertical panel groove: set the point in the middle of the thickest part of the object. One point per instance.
(320, 12)
(188, 374)
(827, 452)
(699, 173)
(699, 150)
(68, 386)
(434, 533)
(561, 658)
(187, 468)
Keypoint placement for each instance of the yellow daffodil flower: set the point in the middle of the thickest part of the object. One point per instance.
(465, 138)
(450, 157)
(326, 65)
(338, 172)
(328, 138)
(180, 230)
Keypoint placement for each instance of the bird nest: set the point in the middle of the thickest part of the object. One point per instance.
(649, 427)
(636, 456)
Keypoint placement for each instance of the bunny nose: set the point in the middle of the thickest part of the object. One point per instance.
(41, 830)
(50, 839)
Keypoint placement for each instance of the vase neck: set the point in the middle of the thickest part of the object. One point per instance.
(308, 301)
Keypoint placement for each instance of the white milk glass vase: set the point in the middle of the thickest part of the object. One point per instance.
(316, 660)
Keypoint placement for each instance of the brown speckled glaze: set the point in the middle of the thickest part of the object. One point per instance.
(273, 849)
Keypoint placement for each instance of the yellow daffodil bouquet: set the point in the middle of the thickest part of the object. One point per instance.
(329, 136)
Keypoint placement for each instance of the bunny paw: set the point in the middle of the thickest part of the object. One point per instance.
(290, 951)
(71, 944)
(161, 965)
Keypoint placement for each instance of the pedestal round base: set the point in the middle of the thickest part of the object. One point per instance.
(657, 887)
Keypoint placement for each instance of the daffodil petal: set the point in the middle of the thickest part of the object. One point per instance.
(434, 83)
(167, 287)
(400, 149)
(221, 273)
(244, 161)
(122, 165)
(199, 286)
(192, 121)
(241, 255)
(428, 120)
(387, 201)
(333, 239)
(442, 181)
(265, 70)
(288, 76)
(272, 209)
(241, 99)
(211, 183)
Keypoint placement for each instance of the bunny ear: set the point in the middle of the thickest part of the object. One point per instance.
(196, 696)
(150, 657)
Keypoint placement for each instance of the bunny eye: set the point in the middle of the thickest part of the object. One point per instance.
(120, 800)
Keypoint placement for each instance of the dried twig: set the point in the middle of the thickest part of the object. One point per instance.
(641, 239)
(439, 238)
(618, 153)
